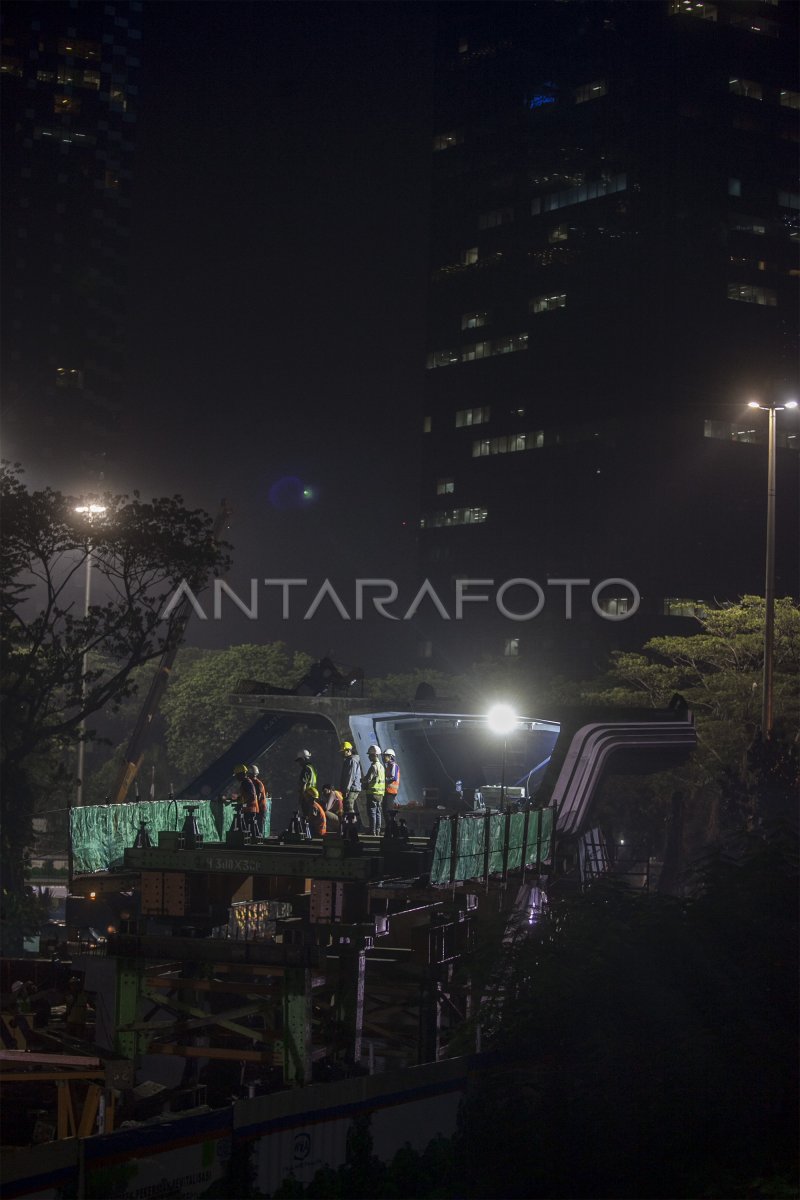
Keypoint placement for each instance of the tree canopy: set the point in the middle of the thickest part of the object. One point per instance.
(138, 553)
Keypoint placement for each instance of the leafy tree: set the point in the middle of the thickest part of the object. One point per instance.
(139, 553)
(201, 723)
(646, 1046)
(718, 670)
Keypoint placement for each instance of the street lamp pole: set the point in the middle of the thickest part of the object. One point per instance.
(769, 583)
(91, 511)
(502, 720)
(87, 596)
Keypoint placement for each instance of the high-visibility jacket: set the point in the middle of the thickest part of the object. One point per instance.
(392, 779)
(317, 819)
(375, 780)
(248, 796)
(334, 802)
(261, 795)
(308, 778)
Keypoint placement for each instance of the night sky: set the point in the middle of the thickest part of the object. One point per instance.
(280, 240)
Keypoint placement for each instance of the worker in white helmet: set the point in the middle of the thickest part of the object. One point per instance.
(392, 772)
(375, 789)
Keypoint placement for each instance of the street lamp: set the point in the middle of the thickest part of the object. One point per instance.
(502, 720)
(769, 586)
(90, 511)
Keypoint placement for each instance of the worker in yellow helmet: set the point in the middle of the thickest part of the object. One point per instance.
(350, 778)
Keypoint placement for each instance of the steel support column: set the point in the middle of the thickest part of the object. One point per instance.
(296, 1036)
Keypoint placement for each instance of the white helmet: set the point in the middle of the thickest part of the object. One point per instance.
(253, 770)
(374, 748)
(389, 754)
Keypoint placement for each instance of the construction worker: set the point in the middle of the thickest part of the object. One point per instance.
(332, 802)
(262, 796)
(308, 776)
(314, 813)
(392, 783)
(374, 789)
(350, 778)
(247, 798)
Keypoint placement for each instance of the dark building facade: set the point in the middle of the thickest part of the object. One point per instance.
(69, 99)
(614, 276)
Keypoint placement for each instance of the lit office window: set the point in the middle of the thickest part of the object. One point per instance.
(453, 516)
(511, 647)
(594, 189)
(744, 224)
(746, 87)
(426, 424)
(749, 294)
(506, 444)
(89, 51)
(789, 99)
(473, 416)
(442, 358)
(559, 233)
(445, 487)
(509, 345)
(674, 607)
(66, 104)
(79, 77)
(470, 256)
(476, 350)
(615, 606)
(591, 91)
(498, 216)
(734, 187)
(754, 25)
(444, 141)
(69, 377)
(727, 431)
(474, 320)
(693, 8)
(540, 304)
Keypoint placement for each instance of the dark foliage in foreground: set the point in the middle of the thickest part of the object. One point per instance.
(646, 1047)
(649, 1044)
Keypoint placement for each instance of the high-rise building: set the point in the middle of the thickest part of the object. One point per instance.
(68, 112)
(614, 277)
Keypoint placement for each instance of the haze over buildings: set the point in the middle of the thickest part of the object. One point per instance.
(68, 119)
(613, 232)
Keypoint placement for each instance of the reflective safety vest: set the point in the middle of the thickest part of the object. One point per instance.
(392, 779)
(248, 796)
(317, 820)
(375, 779)
(308, 778)
(261, 795)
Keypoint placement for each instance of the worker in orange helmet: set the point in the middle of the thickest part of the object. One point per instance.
(314, 812)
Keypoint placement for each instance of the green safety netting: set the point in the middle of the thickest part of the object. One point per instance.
(460, 850)
(101, 833)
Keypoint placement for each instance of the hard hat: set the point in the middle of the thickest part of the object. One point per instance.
(389, 754)
(311, 793)
(240, 770)
(252, 770)
(377, 749)
(304, 756)
(347, 746)
(17, 986)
